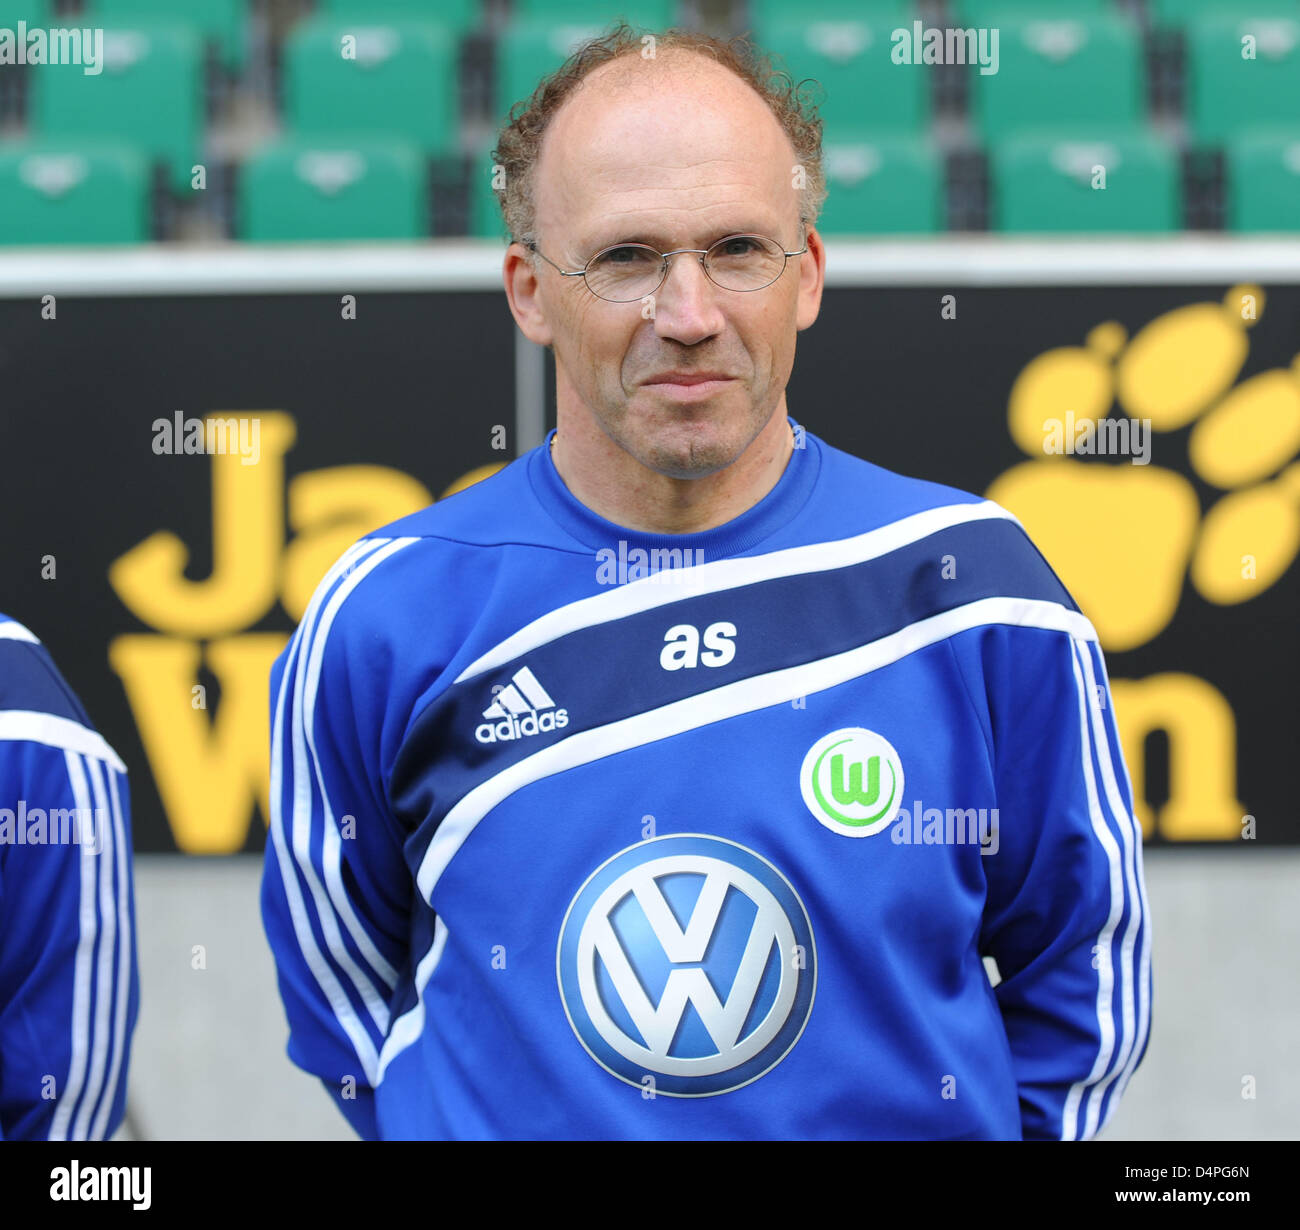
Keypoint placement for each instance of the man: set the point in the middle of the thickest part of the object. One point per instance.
(69, 983)
(604, 794)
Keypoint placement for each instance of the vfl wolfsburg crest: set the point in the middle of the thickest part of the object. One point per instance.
(852, 781)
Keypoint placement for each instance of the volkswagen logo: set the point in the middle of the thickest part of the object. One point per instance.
(689, 959)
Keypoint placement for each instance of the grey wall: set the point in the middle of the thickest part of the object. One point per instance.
(208, 1060)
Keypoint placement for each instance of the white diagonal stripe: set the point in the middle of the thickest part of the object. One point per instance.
(729, 700)
(645, 595)
(12, 630)
(34, 726)
(408, 1026)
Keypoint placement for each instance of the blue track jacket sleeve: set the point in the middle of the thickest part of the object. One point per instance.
(335, 889)
(69, 981)
(1065, 917)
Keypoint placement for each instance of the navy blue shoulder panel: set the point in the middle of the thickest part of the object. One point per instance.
(29, 680)
(610, 671)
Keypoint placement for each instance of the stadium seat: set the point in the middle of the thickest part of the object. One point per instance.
(485, 219)
(1175, 13)
(528, 51)
(893, 185)
(33, 12)
(532, 47)
(300, 190)
(399, 81)
(864, 88)
(766, 12)
(1228, 92)
(1074, 76)
(1263, 188)
(151, 87)
(1046, 184)
(651, 14)
(50, 194)
(456, 16)
(994, 12)
(223, 22)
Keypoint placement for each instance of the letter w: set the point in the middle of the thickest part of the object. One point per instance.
(658, 1025)
(851, 792)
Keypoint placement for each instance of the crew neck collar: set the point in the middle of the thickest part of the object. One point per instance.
(777, 508)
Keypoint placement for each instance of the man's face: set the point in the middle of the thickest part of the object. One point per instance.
(677, 154)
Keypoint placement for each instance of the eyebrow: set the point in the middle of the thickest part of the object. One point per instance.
(661, 243)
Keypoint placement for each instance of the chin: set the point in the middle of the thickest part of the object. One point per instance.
(690, 458)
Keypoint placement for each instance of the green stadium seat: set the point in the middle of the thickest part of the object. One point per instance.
(864, 88)
(223, 22)
(299, 190)
(994, 12)
(51, 194)
(151, 88)
(1076, 76)
(399, 80)
(766, 12)
(457, 16)
(1263, 188)
(531, 47)
(1228, 93)
(651, 14)
(33, 12)
(528, 51)
(485, 218)
(1175, 13)
(1045, 184)
(892, 185)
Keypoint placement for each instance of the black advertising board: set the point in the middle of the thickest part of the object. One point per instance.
(1146, 435)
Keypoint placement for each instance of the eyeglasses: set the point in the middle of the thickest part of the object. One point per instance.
(627, 272)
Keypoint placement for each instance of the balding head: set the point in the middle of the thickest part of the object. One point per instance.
(678, 152)
(678, 137)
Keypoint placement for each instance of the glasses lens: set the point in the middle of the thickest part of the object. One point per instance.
(744, 262)
(628, 272)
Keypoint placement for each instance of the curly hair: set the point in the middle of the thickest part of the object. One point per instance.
(520, 139)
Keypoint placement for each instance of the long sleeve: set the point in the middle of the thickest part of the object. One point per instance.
(1066, 915)
(69, 980)
(335, 889)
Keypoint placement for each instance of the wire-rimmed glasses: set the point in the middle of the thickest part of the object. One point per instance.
(627, 272)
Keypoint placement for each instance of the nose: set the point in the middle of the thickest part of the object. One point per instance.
(687, 307)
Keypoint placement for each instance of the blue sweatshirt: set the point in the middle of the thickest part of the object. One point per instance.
(69, 981)
(583, 832)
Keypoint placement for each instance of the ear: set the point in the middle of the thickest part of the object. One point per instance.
(812, 277)
(523, 293)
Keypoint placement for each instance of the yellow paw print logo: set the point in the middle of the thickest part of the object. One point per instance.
(1124, 536)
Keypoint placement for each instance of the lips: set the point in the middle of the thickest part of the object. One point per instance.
(686, 378)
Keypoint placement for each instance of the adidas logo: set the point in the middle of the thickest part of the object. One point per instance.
(517, 711)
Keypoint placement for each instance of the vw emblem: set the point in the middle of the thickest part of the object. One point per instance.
(688, 959)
